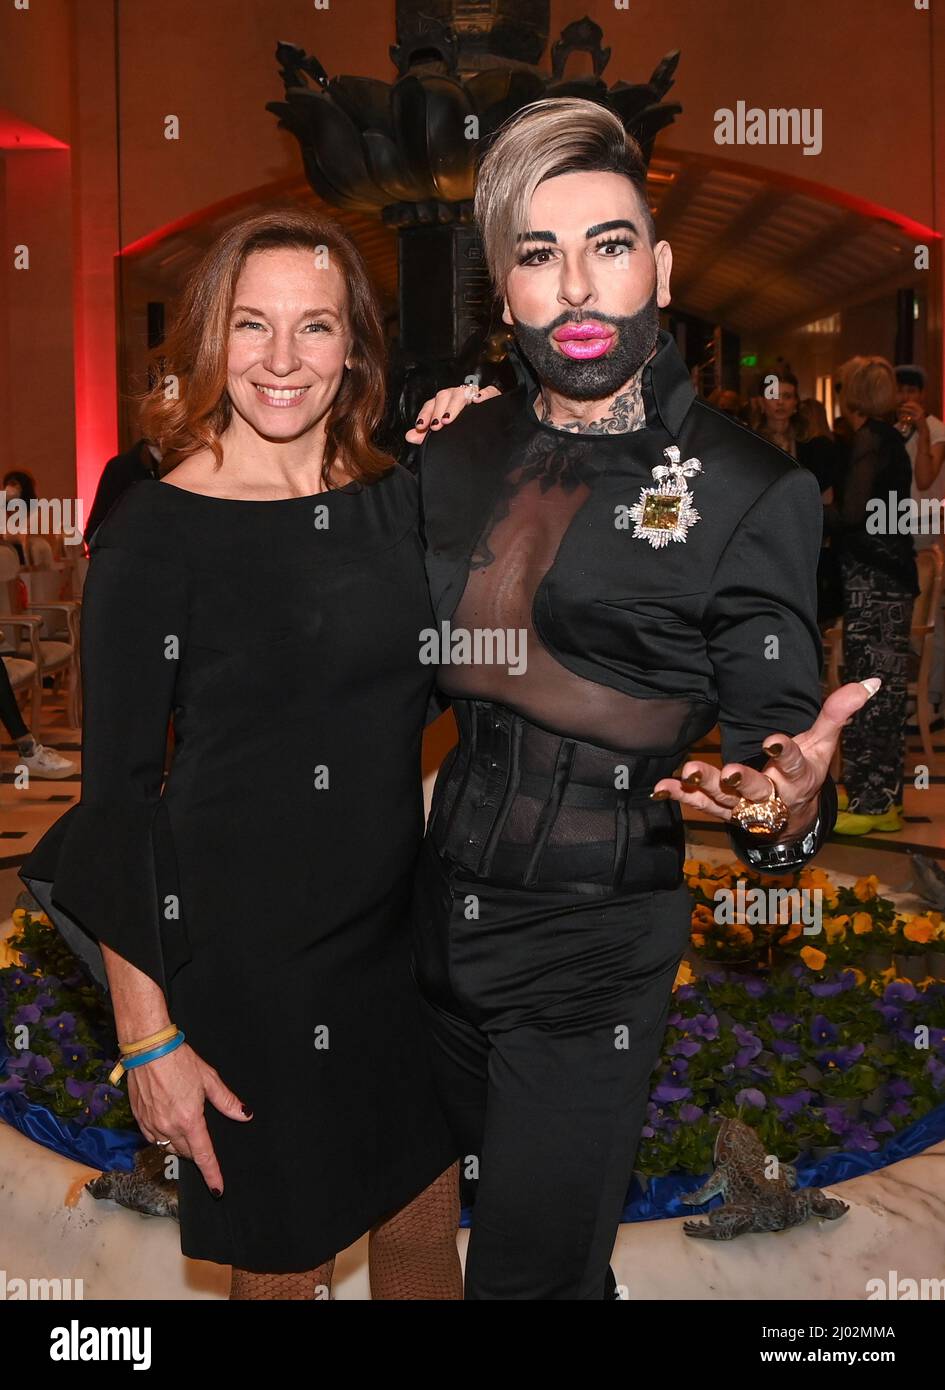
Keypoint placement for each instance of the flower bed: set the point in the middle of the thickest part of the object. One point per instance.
(57, 1047)
(820, 1049)
(824, 1049)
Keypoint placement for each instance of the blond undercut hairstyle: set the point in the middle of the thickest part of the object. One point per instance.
(558, 135)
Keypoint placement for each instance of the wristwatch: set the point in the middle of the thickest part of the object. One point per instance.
(786, 856)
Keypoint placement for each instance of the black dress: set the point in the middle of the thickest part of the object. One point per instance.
(266, 888)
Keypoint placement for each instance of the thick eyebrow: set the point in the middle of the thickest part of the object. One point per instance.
(248, 309)
(610, 226)
(591, 231)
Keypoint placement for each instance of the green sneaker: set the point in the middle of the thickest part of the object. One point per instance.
(849, 823)
(889, 822)
(853, 823)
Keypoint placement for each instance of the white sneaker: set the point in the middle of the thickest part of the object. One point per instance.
(46, 762)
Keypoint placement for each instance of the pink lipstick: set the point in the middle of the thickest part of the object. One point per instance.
(584, 340)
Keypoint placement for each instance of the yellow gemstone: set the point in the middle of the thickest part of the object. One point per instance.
(661, 512)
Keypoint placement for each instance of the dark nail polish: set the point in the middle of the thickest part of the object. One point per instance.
(694, 781)
(774, 749)
(731, 781)
(420, 421)
(659, 796)
(446, 415)
(434, 422)
(217, 1192)
(246, 1110)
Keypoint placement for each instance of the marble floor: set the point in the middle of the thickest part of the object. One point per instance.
(894, 1231)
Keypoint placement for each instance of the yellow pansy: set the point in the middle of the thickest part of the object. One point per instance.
(812, 958)
(684, 975)
(866, 888)
(919, 929)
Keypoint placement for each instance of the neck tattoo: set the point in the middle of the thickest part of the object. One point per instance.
(625, 413)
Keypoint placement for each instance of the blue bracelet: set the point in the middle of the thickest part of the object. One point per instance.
(129, 1063)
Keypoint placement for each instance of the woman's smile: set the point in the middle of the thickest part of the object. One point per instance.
(281, 396)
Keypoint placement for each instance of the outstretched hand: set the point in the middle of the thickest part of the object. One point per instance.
(797, 766)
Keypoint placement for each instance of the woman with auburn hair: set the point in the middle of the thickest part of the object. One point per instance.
(266, 593)
(880, 582)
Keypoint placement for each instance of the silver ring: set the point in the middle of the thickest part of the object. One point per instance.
(163, 1143)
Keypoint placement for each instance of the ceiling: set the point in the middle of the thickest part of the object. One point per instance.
(748, 254)
(758, 257)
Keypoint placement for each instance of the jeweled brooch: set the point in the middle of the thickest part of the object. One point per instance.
(665, 513)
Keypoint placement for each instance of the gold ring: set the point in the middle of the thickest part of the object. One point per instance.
(767, 817)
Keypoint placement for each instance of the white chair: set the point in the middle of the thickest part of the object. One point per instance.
(23, 676)
(22, 630)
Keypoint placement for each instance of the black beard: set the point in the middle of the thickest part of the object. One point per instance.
(599, 377)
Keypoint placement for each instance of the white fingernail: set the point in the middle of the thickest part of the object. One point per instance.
(872, 684)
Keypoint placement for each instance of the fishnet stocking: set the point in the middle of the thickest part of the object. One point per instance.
(412, 1254)
(309, 1284)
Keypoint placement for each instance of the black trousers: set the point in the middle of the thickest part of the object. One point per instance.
(546, 1012)
(10, 715)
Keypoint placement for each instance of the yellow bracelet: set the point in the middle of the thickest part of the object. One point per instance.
(129, 1049)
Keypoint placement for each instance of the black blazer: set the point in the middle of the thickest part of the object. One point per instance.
(725, 622)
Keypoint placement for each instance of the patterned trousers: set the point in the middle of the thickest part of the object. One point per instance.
(876, 627)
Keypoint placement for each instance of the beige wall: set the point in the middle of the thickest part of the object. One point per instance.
(867, 63)
(36, 324)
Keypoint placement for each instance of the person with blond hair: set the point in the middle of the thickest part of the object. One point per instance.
(880, 583)
(644, 567)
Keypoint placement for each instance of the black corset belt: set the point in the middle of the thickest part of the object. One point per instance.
(520, 806)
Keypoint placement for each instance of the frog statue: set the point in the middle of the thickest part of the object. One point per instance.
(753, 1200)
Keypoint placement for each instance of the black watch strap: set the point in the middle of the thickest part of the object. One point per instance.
(786, 856)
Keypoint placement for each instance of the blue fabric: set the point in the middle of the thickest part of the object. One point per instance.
(110, 1149)
(662, 1197)
(107, 1149)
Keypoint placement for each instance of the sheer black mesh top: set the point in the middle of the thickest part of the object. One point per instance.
(583, 661)
(512, 591)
